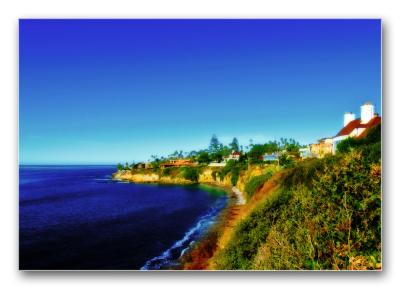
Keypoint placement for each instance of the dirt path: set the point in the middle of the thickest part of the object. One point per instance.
(237, 212)
(240, 199)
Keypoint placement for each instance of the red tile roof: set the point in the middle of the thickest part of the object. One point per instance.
(357, 124)
(372, 123)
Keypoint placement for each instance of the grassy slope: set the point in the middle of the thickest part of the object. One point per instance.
(325, 215)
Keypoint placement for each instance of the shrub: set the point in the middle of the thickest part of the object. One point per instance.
(371, 141)
(250, 234)
(166, 171)
(286, 161)
(191, 174)
(233, 167)
(235, 175)
(346, 145)
(256, 182)
(204, 158)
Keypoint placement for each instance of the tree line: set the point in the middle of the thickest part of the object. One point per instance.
(217, 151)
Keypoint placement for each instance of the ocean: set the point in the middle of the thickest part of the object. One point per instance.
(78, 218)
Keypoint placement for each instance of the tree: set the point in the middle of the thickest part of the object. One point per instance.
(256, 153)
(286, 161)
(218, 156)
(127, 167)
(120, 167)
(271, 147)
(215, 145)
(191, 174)
(216, 149)
(204, 158)
(291, 146)
(234, 144)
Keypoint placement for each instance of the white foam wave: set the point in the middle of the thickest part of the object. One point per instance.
(166, 258)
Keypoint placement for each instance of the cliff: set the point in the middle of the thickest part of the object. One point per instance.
(206, 175)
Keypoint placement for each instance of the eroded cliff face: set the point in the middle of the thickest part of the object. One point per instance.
(148, 177)
(207, 176)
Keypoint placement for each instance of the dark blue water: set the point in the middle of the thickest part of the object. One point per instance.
(76, 217)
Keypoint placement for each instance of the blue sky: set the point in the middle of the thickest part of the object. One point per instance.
(108, 91)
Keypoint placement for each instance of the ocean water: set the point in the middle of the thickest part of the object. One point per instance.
(77, 217)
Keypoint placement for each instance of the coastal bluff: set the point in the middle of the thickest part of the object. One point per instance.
(206, 176)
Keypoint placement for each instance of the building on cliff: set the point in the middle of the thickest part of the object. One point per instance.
(305, 152)
(235, 156)
(359, 127)
(322, 148)
(272, 157)
(177, 163)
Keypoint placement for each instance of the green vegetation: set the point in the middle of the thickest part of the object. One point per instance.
(250, 234)
(289, 146)
(326, 215)
(234, 168)
(286, 161)
(370, 145)
(167, 172)
(120, 167)
(191, 174)
(256, 182)
(234, 145)
(204, 158)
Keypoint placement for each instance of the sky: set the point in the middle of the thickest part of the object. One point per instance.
(109, 91)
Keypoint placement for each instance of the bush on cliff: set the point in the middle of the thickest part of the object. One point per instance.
(371, 142)
(191, 174)
(326, 215)
(234, 168)
(256, 182)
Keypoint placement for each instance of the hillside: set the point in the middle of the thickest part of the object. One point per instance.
(325, 214)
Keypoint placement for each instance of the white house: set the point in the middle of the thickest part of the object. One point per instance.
(357, 128)
(233, 156)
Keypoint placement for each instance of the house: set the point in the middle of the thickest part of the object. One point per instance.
(140, 166)
(148, 166)
(177, 163)
(359, 127)
(271, 157)
(233, 156)
(322, 148)
(306, 152)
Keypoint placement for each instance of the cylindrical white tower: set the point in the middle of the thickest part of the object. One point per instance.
(348, 117)
(367, 112)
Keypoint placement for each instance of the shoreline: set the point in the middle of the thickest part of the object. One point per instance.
(203, 255)
(199, 254)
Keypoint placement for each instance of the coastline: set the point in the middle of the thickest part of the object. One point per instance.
(198, 256)
(205, 252)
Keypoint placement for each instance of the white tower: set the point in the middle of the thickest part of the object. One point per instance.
(367, 112)
(348, 117)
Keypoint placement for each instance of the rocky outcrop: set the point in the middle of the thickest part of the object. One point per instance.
(207, 176)
(128, 176)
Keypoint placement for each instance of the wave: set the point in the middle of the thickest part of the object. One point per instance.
(169, 257)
